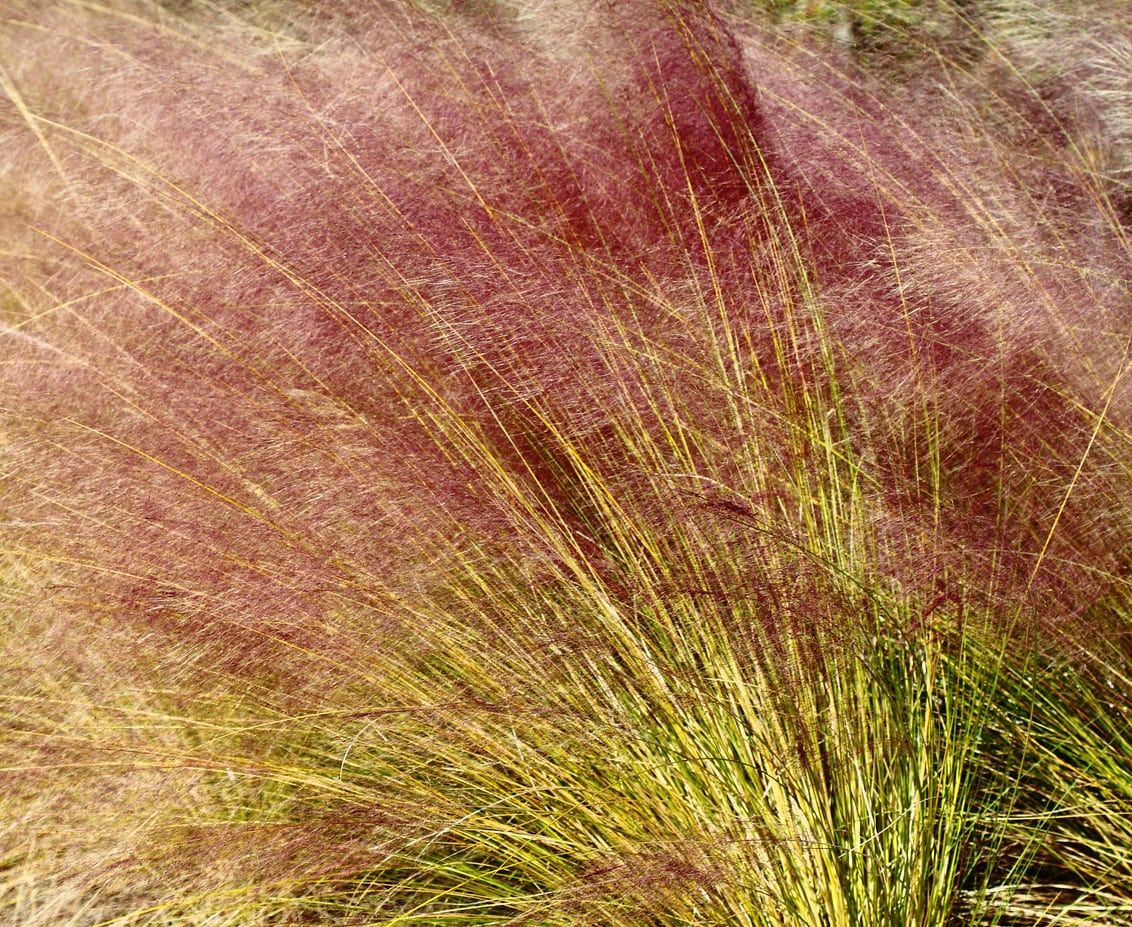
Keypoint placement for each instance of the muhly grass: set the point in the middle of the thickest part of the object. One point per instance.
(564, 463)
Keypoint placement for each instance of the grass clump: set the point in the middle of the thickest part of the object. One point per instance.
(556, 464)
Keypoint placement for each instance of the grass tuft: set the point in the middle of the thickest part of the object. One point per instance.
(654, 463)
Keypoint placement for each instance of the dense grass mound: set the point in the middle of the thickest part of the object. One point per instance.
(565, 463)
